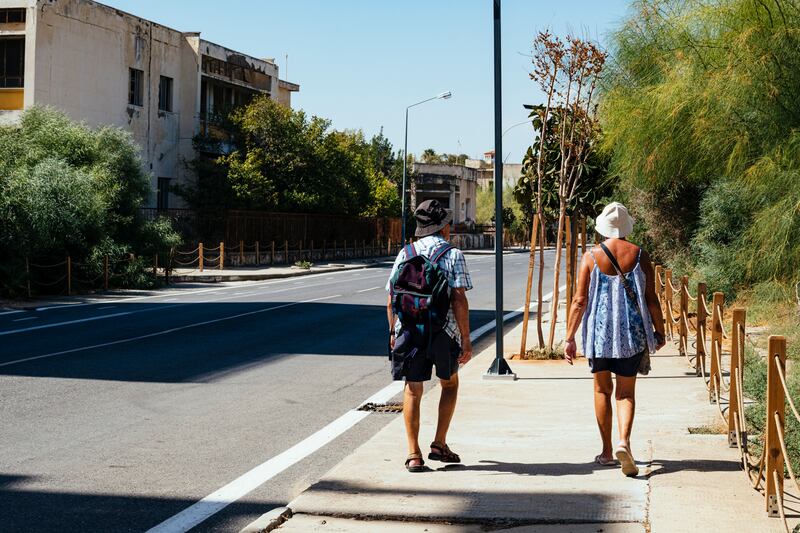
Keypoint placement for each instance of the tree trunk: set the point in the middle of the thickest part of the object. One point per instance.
(527, 305)
(542, 239)
(556, 275)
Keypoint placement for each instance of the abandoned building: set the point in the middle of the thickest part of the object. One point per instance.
(455, 186)
(104, 66)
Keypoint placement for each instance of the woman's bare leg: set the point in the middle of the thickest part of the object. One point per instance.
(626, 407)
(603, 387)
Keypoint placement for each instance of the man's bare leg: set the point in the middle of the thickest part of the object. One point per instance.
(412, 397)
(603, 387)
(447, 406)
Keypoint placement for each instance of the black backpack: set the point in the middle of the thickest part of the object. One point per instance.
(421, 296)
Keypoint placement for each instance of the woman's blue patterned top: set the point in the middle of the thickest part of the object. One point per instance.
(612, 326)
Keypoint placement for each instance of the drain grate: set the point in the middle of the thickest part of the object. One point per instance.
(382, 407)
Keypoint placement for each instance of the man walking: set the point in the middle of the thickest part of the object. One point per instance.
(419, 337)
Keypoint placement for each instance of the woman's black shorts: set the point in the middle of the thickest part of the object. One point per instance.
(621, 367)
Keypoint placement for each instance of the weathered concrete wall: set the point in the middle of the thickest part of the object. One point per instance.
(83, 53)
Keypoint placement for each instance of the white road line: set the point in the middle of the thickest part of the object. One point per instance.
(89, 319)
(246, 483)
(44, 326)
(249, 481)
(199, 291)
(106, 307)
(24, 319)
(11, 312)
(370, 289)
(164, 332)
(159, 308)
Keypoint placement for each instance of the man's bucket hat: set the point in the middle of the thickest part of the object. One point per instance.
(431, 217)
(614, 221)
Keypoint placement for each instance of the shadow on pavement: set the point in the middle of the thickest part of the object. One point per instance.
(32, 510)
(194, 342)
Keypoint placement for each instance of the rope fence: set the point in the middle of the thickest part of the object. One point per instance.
(274, 253)
(767, 472)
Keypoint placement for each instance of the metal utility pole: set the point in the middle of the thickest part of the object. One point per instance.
(499, 368)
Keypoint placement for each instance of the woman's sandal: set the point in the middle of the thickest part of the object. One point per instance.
(625, 458)
(417, 467)
(604, 462)
(443, 453)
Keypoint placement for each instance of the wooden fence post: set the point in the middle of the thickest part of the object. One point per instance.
(200, 256)
(28, 274)
(737, 366)
(657, 282)
(105, 272)
(527, 306)
(668, 300)
(683, 326)
(716, 346)
(311, 252)
(389, 247)
(69, 275)
(221, 255)
(286, 252)
(258, 255)
(702, 316)
(241, 253)
(775, 405)
(272, 253)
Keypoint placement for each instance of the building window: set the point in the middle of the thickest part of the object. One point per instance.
(136, 87)
(162, 199)
(12, 63)
(165, 94)
(12, 16)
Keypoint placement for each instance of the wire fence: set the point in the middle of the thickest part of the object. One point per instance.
(769, 469)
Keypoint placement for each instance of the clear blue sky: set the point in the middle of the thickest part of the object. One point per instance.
(361, 62)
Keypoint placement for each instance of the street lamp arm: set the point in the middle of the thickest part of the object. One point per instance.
(444, 95)
(515, 125)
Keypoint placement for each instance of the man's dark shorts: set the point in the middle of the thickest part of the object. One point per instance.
(444, 354)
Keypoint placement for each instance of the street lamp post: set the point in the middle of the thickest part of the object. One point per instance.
(444, 96)
(499, 368)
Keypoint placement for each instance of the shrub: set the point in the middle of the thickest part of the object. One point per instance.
(71, 190)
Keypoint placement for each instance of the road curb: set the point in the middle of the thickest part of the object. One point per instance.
(268, 521)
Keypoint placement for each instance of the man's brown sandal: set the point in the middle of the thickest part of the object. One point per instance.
(442, 452)
(415, 468)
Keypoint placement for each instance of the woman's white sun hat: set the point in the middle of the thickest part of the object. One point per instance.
(615, 221)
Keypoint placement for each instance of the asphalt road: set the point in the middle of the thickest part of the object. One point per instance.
(120, 414)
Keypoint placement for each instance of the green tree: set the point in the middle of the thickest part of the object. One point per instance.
(701, 106)
(71, 190)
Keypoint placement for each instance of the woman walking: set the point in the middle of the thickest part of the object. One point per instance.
(622, 325)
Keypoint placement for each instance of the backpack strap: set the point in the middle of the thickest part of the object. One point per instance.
(411, 251)
(439, 252)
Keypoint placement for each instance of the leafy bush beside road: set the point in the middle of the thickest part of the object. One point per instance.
(71, 190)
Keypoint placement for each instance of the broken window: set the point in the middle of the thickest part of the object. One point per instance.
(162, 198)
(12, 63)
(136, 87)
(165, 94)
(12, 16)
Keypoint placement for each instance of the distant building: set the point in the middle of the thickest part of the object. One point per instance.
(455, 186)
(104, 66)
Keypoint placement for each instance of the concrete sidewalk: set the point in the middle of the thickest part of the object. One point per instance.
(528, 449)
